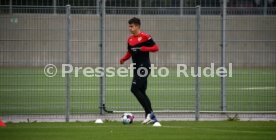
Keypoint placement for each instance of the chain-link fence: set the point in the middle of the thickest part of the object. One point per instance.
(93, 37)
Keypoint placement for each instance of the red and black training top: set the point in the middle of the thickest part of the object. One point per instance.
(146, 45)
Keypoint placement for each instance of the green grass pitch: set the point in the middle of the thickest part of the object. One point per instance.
(222, 130)
(29, 91)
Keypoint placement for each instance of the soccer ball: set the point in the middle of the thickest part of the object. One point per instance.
(127, 118)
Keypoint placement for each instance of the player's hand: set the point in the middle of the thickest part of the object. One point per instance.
(122, 61)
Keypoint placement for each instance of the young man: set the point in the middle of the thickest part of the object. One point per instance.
(139, 46)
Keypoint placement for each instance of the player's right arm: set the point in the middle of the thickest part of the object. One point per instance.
(125, 57)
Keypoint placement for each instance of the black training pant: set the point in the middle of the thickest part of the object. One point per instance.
(139, 87)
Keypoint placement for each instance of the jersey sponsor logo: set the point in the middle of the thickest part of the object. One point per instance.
(139, 39)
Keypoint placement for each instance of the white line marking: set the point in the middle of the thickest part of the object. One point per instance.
(258, 88)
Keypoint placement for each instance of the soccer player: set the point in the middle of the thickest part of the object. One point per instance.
(140, 44)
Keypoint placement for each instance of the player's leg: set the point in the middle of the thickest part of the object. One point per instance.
(135, 89)
(143, 89)
(149, 117)
(144, 101)
(142, 82)
(138, 83)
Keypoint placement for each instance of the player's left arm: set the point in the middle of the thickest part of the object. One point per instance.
(149, 45)
(153, 48)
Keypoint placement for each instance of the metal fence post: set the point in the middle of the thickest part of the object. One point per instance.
(55, 6)
(68, 56)
(197, 108)
(102, 55)
(223, 44)
(181, 7)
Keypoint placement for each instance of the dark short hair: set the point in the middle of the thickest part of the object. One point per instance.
(135, 21)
